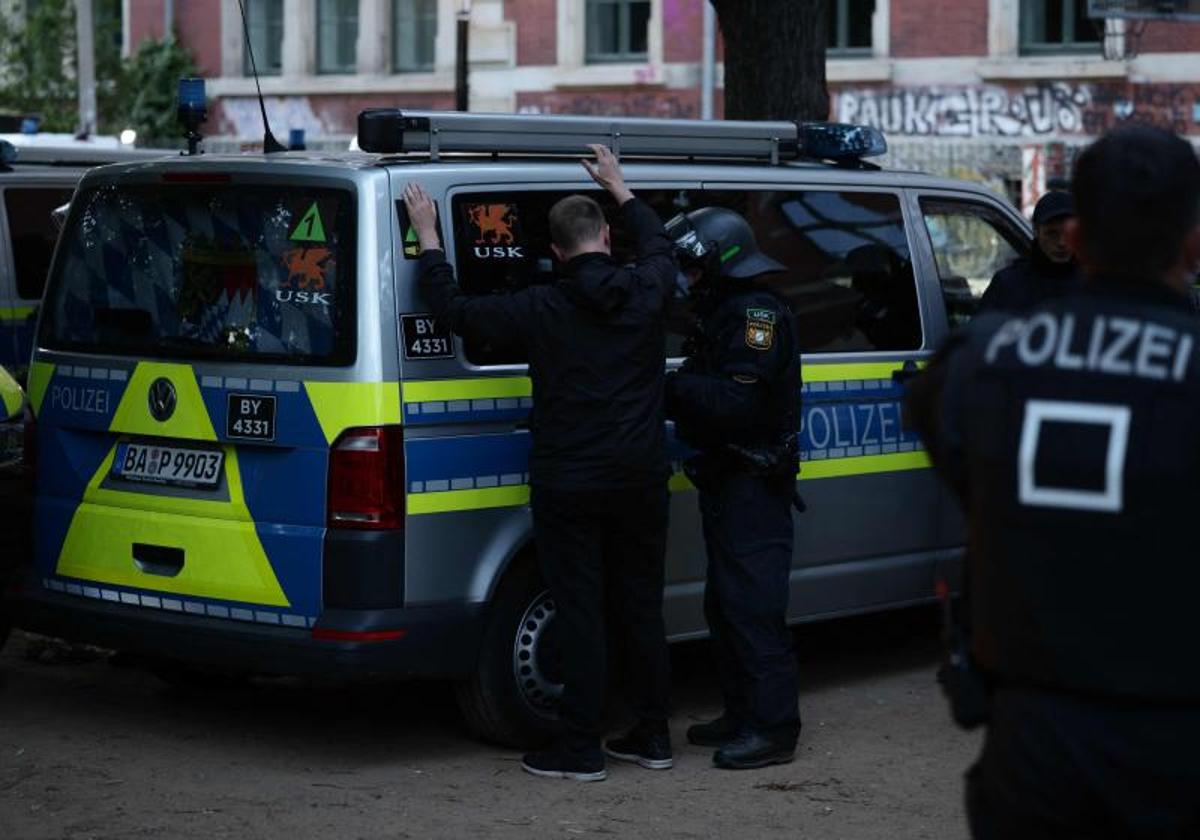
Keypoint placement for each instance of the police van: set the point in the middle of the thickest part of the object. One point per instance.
(256, 449)
(38, 174)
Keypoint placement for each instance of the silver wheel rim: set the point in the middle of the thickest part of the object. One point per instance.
(538, 691)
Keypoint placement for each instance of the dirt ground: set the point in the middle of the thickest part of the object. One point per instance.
(89, 749)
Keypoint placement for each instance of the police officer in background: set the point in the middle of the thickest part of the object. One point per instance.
(1049, 271)
(736, 401)
(1072, 436)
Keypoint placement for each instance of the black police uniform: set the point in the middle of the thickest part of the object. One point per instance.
(1030, 281)
(736, 401)
(598, 466)
(1072, 435)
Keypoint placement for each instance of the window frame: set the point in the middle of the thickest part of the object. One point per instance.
(623, 54)
(840, 22)
(928, 324)
(1070, 45)
(268, 25)
(918, 196)
(341, 69)
(394, 59)
(11, 290)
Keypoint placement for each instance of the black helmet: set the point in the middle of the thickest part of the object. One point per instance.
(721, 235)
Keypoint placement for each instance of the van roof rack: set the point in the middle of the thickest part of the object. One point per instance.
(392, 131)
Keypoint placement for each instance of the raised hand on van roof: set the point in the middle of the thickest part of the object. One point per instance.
(606, 171)
(422, 213)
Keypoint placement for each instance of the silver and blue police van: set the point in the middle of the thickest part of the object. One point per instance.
(256, 450)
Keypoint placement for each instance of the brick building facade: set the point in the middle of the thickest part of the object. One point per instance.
(1002, 90)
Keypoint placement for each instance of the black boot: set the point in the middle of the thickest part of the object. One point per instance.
(715, 733)
(753, 749)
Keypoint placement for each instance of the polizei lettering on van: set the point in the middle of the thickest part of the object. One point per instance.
(1112, 345)
(73, 398)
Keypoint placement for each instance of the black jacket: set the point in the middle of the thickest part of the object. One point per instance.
(1029, 281)
(1072, 436)
(596, 345)
(741, 383)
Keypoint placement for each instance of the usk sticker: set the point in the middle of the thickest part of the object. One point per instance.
(310, 228)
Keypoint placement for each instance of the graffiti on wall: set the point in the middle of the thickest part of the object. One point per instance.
(1039, 110)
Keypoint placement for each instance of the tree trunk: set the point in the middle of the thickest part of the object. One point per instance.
(774, 58)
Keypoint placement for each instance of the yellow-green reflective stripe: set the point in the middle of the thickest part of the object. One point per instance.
(520, 386)
(40, 374)
(496, 387)
(344, 405)
(452, 500)
(460, 500)
(11, 395)
(15, 313)
(818, 372)
(864, 465)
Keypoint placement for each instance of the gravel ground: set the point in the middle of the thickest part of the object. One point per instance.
(89, 749)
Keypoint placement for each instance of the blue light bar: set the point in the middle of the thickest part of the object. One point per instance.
(840, 142)
(191, 96)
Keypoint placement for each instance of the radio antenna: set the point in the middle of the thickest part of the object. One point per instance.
(270, 144)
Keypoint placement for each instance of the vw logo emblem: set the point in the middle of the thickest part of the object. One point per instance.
(162, 399)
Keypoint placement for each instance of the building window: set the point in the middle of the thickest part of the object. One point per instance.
(1054, 26)
(337, 36)
(617, 30)
(850, 24)
(264, 19)
(414, 31)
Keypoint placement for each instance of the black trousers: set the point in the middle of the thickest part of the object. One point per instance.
(749, 537)
(598, 548)
(1068, 768)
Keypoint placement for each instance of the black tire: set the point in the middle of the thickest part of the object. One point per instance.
(512, 698)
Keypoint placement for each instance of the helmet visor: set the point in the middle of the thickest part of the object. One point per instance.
(690, 248)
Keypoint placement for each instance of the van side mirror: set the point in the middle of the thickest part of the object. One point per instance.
(12, 398)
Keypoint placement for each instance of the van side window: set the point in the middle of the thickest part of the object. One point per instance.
(502, 245)
(850, 277)
(33, 234)
(971, 242)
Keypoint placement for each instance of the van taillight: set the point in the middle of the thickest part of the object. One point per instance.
(366, 479)
(29, 449)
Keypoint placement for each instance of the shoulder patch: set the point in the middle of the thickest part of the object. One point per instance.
(760, 334)
(761, 314)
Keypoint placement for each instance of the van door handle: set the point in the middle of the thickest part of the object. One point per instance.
(909, 371)
(158, 559)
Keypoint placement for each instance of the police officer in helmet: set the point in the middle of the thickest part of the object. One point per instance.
(736, 401)
(1071, 434)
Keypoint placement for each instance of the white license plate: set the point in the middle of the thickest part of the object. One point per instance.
(168, 465)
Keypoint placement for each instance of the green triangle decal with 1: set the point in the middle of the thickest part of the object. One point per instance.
(310, 228)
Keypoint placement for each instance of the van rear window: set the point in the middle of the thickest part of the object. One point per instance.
(230, 272)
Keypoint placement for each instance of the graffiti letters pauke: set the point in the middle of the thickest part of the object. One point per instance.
(983, 111)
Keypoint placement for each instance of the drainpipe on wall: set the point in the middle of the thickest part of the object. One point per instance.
(168, 19)
(708, 62)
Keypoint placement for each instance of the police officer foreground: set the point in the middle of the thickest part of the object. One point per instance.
(736, 401)
(1072, 436)
(598, 467)
(1049, 271)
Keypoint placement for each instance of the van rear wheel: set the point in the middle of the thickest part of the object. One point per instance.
(512, 698)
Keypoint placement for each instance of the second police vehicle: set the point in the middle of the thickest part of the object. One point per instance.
(256, 450)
